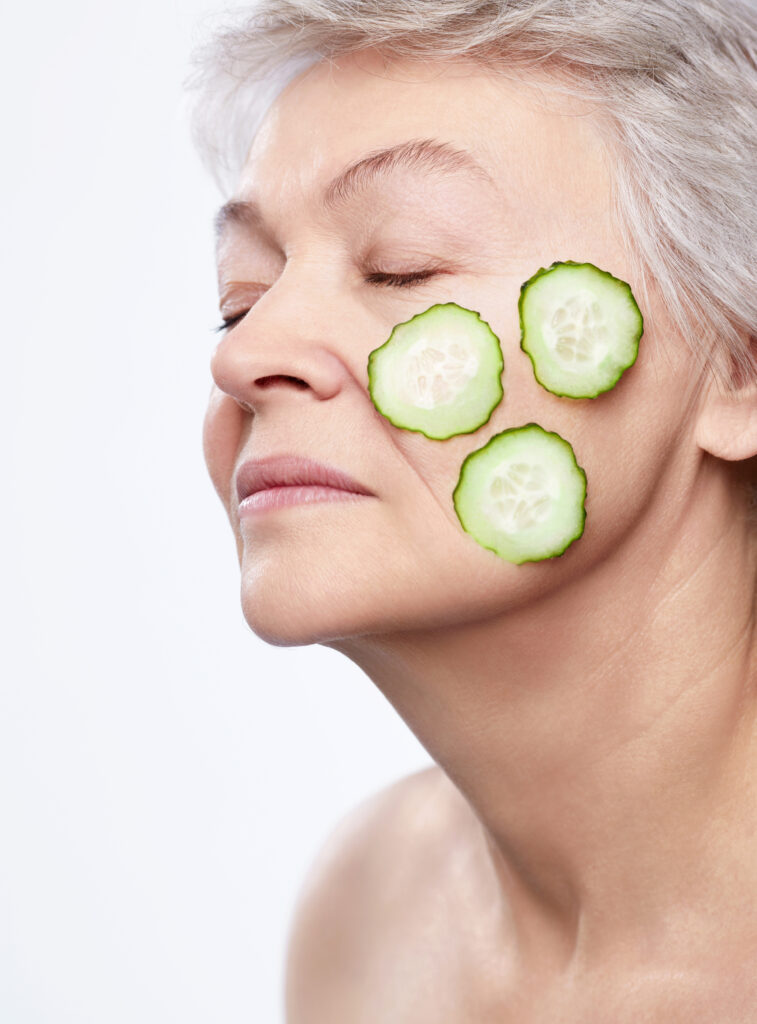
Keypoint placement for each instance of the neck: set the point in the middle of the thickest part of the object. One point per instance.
(603, 737)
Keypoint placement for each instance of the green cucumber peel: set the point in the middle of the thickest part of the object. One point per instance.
(438, 373)
(522, 495)
(580, 327)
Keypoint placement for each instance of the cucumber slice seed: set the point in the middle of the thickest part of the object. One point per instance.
(580, 327)
(522, 495)
(439, 373)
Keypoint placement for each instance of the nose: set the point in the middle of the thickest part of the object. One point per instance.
(283, 346)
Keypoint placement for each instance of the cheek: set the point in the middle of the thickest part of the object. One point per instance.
(632, 444)
(221, 438)
(624, 441)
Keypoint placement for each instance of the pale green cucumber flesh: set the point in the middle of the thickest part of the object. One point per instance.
(439, 373)
(522, 495)
(580, 326)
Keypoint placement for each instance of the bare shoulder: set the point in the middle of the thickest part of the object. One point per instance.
(361, 895)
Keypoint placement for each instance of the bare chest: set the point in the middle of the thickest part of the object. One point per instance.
(429, 967)
(412, 990)
(431, 946)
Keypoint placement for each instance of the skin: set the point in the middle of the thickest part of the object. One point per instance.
(592, 823)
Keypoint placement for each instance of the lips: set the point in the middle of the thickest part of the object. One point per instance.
(291, 471)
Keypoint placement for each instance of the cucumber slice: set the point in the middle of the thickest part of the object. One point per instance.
(438, 373)
(580, 326)
(522, 495)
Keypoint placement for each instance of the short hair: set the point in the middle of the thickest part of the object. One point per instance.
(674, 83)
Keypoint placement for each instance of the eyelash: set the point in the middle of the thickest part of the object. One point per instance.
(400, 280)
(378, 277)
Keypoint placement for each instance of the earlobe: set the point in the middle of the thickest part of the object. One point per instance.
(727, 422)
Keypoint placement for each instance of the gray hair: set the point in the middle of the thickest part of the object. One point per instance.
(675, 81)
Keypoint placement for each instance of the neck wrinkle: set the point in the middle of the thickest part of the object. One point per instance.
(611, 768)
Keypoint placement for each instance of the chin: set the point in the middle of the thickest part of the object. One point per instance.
(292, 615)
(290, 599)
(288, 613)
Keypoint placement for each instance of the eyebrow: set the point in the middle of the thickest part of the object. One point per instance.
(416, 154)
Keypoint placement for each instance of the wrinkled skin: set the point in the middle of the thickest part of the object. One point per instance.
(594, 710)
(318, 321)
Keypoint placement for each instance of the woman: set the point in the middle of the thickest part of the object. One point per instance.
(585, 847)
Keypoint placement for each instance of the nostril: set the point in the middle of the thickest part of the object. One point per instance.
(265, 382)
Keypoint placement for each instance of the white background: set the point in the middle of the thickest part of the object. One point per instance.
(165, 777)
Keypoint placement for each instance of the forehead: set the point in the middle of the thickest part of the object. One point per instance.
(538, 145)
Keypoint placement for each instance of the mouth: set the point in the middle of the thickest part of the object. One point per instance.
(277, 473)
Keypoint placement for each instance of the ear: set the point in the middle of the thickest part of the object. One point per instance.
(727, 419)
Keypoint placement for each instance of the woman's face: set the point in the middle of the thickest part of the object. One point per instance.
(511, 180)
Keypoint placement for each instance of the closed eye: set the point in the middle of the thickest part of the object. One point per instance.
(378, 277)
(401, 280)
(231, 321)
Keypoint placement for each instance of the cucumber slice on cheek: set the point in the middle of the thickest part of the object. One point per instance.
(580, 326)
(522, 495)
(439, 373)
